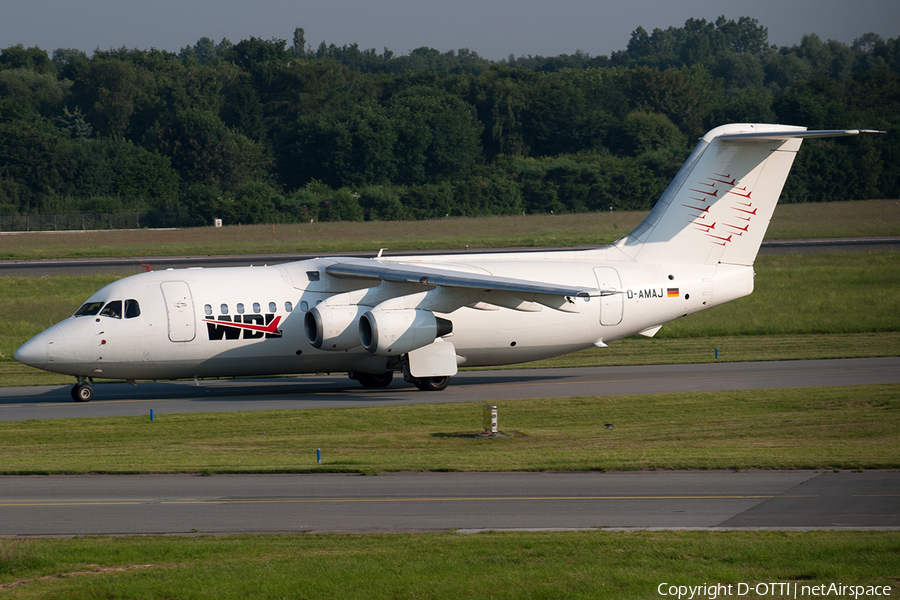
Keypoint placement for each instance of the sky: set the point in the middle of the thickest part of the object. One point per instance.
(494, 29)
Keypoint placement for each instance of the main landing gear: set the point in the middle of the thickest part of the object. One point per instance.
(83, 391)
(382, 380)
(371, 380)
(431, 384)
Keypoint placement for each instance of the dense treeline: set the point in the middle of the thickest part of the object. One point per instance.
(263, 131)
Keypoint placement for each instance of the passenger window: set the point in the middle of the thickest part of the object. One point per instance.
(89, 309)
(288, 307)
(112, 310)
(304, 305)
(132, 309)
(208, 310)
(240, 308)
(272, 307)
(223, 309)
(256, 307)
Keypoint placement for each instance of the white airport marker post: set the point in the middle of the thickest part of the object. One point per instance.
(489, 418)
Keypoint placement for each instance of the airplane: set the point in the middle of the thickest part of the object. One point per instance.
(426, 316)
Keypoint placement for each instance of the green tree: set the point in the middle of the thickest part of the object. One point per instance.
(31, 59)
(499, 98)
(341, 205)
(36, 92)
(738, 70)
(35, 163)
(74, 124)
(745, 35)
(749, 105)
(204, 151)
(255, 202)
(482, 195)
(355, 148)
(68, 61)
(685, 96)
(380, 203)
(642, 133)
(437, 135)
(106, 91)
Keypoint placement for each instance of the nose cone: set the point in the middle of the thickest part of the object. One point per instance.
(36, 351)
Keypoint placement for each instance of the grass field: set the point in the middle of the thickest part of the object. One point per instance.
(808, 428)
(832, 219)
(578, 565)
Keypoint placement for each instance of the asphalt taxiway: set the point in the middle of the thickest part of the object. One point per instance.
(120, 399)
(86, 505)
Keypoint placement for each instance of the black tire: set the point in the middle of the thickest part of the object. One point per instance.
(431, 384)
(83, 393)
(371, 380)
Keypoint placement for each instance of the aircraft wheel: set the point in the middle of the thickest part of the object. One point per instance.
(431, 384)
(83, 393)
(371, 380)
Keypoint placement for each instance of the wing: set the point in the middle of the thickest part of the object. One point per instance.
(400, 272)
(444, 288)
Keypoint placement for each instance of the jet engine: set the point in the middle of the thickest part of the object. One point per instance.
(333, 327)
(395, 332)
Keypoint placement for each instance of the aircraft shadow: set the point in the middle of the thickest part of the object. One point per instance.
(323, 388)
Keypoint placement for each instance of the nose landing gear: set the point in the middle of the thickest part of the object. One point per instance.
(83, 391)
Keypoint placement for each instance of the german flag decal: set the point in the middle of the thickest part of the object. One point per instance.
(672, 293)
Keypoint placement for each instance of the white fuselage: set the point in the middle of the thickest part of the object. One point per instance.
(185, 329)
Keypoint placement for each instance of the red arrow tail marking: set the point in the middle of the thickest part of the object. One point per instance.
(716, 237)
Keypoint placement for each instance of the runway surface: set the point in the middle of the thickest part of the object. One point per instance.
(120, 399)
(61, 506)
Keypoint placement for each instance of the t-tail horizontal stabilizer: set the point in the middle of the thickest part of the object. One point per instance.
(718, 207)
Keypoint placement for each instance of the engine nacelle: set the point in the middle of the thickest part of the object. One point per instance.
(333, 327)
(395, 332)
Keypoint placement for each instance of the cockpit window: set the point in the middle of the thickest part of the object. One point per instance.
(132, 309)
(89, 309)
(112, 309)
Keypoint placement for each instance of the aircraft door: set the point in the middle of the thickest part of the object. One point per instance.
(180, 309)
(612, 306)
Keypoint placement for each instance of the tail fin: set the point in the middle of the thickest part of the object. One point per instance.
(718, 207)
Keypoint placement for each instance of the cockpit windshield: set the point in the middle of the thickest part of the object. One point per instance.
(112, 309)
(89, 309)
(132, 309)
